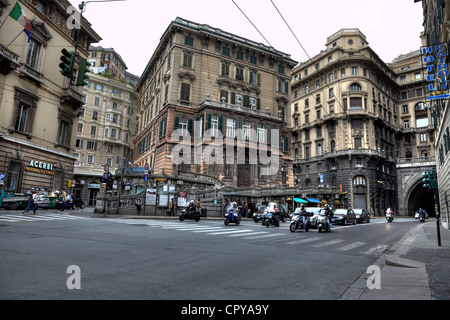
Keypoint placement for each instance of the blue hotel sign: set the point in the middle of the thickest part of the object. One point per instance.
(434, 61)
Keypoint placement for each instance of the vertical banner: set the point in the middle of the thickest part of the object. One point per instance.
(434, 61)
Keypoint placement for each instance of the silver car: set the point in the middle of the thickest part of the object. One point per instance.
(313, 219)
(43, 201)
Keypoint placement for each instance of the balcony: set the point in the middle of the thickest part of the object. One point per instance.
(73, 98)
(9, 61)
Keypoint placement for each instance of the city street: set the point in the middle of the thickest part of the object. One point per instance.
(122, 258)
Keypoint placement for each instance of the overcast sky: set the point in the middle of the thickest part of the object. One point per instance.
(134, 27)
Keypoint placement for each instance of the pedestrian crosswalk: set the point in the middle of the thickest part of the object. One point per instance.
(37, 218)
(256, 233)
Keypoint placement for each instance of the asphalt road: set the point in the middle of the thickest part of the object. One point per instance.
(56, 256)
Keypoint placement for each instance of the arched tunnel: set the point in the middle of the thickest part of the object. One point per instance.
(421, 198)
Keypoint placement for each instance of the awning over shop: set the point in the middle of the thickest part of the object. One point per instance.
(300, 200)
(313, 200)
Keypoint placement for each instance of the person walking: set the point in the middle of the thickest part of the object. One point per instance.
(31, 203)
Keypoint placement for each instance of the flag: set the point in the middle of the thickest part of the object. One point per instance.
(18, 15)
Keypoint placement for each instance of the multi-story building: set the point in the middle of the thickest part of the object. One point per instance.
(211, 88)
(354, 116)
(108, 62)
(436, 21)
(104, 135)
(38, 105)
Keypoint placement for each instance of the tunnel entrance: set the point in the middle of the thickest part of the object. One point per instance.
(421, 198)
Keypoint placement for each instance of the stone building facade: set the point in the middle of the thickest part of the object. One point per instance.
(354, 117)
(38, 105)
(225, 96)
(436, 31)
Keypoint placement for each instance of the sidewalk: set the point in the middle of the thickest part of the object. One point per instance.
(416, 268)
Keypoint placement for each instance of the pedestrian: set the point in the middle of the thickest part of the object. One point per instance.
(172, 208)
(138, 204)
(31, 203)
(61, 199)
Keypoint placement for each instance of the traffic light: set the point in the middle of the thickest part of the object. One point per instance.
(68, 59)
(82, 70)
(426, 180)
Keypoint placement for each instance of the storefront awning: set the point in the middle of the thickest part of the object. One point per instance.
(313, 200)
(300, 200)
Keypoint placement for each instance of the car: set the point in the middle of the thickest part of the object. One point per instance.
(260, 214)
(43, 201)
(343, 216)
(361, 215)
(72, 201)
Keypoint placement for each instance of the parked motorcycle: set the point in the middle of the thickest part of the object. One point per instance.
(322, 224)
(297, 221)
(189, 212)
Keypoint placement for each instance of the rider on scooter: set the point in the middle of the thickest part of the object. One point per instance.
(329, 215)
(303, 216)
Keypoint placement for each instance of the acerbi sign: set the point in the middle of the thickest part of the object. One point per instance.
(434, 58)
(40, 167)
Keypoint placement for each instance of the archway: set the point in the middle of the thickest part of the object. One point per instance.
(421, 198)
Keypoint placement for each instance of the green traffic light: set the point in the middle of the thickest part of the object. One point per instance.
(82, 76)
(68, 59)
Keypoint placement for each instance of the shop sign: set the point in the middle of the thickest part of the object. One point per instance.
(434, 61)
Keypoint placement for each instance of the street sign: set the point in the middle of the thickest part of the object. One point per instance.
(105, 175)
(146, 166)
(106, 167)
(145, 177)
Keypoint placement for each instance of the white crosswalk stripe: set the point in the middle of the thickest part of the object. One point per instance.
(247, 232)
(38, 217)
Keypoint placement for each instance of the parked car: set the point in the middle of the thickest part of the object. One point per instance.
(73, 201)
(43, 201)
(343, 216)
(260, 214)
(361, 215)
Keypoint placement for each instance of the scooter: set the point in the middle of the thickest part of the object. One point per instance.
(232, 216)
(297, 222)
(189, 213)
(271, 219)
(422, 217)
(322, 224)
(389, 216)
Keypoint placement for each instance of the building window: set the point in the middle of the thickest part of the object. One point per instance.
(185, 92)
(189, 41)
(231, 132)
(33, 57)
(355, 87)
(359, 180)
(240, 73)
(423, 137)
(188, 57)
(226, 51)
(225, 72)
(354, 71)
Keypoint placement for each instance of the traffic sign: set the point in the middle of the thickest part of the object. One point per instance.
(106, 167)
(146, 166)
(105, 175)
(145, 177)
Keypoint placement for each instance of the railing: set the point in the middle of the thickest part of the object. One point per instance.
(119, 204)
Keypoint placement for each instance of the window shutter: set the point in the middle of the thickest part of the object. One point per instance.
(220, 120)
(190, 125)
(177, 123)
